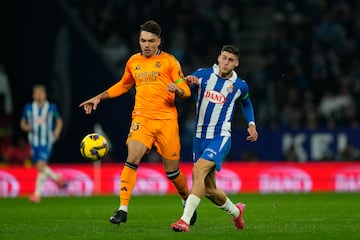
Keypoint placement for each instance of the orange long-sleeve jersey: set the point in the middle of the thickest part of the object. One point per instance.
(151, 77)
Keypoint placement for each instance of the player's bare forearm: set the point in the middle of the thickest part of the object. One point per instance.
(104, 95)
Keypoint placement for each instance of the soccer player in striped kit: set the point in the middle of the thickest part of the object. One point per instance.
(216, 90)
(43, 123)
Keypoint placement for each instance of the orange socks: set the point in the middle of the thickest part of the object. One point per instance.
(127, 183)
(179, 181)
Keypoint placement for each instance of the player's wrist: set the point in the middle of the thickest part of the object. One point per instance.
(251, 123)
(181, 92)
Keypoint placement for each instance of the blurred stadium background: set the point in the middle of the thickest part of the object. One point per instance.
(300, 58)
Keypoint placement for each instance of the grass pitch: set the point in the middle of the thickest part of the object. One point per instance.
(271, 216)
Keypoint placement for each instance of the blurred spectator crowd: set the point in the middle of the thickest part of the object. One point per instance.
(310, 74)
(115, 24)
(308, 70)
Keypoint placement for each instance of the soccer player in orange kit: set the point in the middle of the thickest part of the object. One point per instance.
(158, 77)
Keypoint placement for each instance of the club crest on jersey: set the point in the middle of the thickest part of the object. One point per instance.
(158, 64)
(215, 97)
(230, 89)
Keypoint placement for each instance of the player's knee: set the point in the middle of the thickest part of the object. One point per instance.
(196, 171)
(199, 173)
(133, 159)
(209, 193)
(40, 165)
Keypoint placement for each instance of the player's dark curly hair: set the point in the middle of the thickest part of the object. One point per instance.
(151, 26)
(231, 49)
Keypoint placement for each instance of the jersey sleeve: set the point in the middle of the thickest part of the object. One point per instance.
(200, 74)
(55, 111)
(177, 75)
(197, 73)
(123, 85)
(175, 68)
(24, 112)
(246, 104)
(182, 84)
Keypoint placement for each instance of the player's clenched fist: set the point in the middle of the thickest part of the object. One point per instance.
(191, 80)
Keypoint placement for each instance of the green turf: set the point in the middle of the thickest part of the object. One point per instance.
(273, 216)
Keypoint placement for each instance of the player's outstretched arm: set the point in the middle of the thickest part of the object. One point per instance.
(91, 104)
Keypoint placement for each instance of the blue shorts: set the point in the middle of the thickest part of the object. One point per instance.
(40, 153)
(214, 150)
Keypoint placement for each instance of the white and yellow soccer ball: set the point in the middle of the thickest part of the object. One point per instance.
(94, 147)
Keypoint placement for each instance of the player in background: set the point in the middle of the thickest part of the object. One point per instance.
(158, 77)
(43, 124)
(216, 90)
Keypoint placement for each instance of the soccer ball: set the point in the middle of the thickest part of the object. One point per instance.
(94, 147)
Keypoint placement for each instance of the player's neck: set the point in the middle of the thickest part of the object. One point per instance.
(225, 75)
(40, 103)
(156, 53)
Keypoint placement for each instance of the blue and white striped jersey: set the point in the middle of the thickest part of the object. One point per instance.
(215, 102)
(42, 120)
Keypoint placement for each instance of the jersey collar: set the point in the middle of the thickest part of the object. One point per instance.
(216, 71)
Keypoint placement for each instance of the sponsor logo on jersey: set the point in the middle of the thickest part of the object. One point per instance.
(215, 97)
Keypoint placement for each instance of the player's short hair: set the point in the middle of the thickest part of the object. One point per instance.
(151, 26)
(231, 49)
